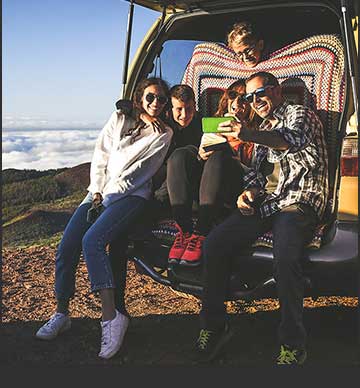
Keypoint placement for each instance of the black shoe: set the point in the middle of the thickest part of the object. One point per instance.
(291, 356)
(209, 343)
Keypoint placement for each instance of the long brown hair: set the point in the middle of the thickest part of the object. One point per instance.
(138, 107)
(223, 102)
(244, 148)
(139, 92)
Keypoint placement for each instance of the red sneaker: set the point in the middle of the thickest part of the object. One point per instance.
(179, 245)
(193, 251)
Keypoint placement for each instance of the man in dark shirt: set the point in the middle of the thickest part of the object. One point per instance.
(185, 120)
(186, 124)
(287, 192)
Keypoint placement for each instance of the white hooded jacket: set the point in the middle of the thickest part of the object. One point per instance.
(120, 168)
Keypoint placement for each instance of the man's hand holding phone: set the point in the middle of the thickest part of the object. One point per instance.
(245, 201)
(231, 126)
(212, 124)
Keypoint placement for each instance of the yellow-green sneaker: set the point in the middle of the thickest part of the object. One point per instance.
(209, 343)
(291, 356)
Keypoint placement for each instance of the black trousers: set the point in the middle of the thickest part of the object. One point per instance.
(292, 228)
(210, 182)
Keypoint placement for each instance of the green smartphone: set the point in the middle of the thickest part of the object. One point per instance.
(210, 124)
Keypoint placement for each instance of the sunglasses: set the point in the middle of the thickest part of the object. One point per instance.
(150, 97)
(232, 94)
(260, 92)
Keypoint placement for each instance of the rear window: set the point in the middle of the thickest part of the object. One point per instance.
(170, 65)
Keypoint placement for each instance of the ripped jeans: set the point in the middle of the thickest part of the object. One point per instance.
(114, 223)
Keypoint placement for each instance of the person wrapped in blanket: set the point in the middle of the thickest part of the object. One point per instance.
(245, 40)
(211, 177)
(127, 154)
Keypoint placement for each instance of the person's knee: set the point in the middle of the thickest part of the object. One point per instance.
(91, 244)
(217, 157)
(179, 156)
(285, 224)
(68, 245)
(216, 165)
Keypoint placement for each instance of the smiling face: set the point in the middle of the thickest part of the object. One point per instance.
(235, 104)
(153, 99)
(183, 112)
(265, 103)
(248, 53)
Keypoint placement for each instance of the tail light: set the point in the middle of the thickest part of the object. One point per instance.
(349, 162)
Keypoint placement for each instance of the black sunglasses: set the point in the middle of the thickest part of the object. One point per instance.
(150, 97)
(260, 92)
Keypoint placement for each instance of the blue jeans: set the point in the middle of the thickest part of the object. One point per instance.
(114, 223)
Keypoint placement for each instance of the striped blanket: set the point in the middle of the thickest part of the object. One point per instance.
(311, 72)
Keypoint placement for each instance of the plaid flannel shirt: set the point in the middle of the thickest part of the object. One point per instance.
(303, 176)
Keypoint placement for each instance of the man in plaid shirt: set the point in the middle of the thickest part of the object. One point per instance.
(287, 192)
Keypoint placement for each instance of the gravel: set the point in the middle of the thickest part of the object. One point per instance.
(164, 324)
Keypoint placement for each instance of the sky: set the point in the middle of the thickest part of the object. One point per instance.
(61, 69)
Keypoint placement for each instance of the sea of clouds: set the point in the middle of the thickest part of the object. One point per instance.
(41, 144)
(42, 149)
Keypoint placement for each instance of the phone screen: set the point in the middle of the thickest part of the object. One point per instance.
(210, 124)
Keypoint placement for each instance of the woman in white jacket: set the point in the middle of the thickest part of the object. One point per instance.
(127, 154)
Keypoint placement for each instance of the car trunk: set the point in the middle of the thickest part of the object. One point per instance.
(281, 24)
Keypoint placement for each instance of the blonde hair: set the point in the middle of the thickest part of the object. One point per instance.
(242, 32)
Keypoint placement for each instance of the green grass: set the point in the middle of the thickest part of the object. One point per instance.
(36, 205)
(14, 213)
(70, 201)
(19, 231)
(12, 175)
(11, 212)
(15, 219)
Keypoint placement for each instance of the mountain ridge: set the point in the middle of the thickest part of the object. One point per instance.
(38, 204)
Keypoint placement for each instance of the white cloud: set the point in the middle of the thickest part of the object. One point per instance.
(28, 122)
(45, 149)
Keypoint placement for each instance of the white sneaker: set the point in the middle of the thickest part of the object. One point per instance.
(57, 324)
(112, 335)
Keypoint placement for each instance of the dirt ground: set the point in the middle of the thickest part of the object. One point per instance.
(164, 324)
